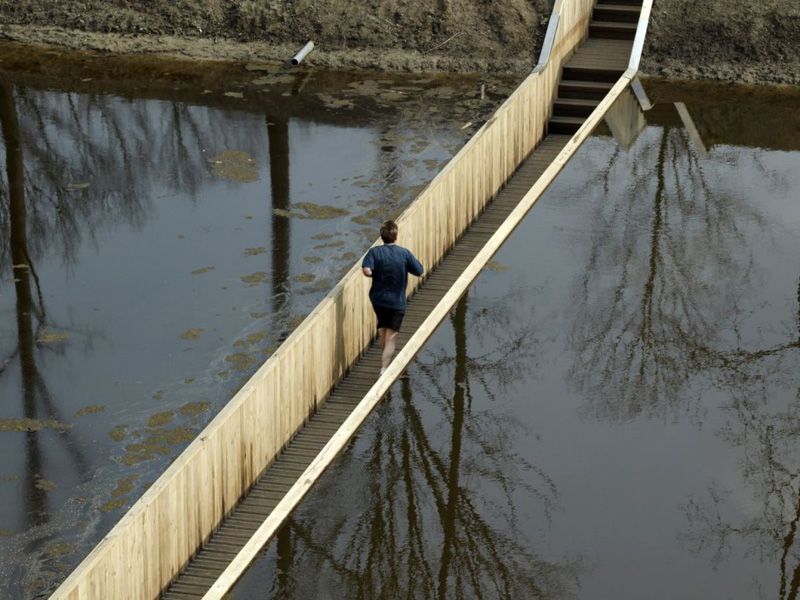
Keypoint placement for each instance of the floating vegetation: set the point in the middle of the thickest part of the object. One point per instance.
(252, 339)
(119, 494)
(10, 478)
(46, 337)
(44, 484)
(158, 442)
(322, 236)
(6, 532)
(304, 277)
(160, 419)
(313, 259)
(203, 270)
(194, 409)
(296, 320)
(158, 396)
(192, 334)
(240, 361)
(254, 251)
(58, 549)
(31, 425)
(234, 94)
(256, 315)
(189, 380)
(495, 266)
(348, 256)
(361, 220)
(337, 244)
(77, 186)
(91, 410)
(118, 433)
(320, 286)
(312, 211)
(256, 278)
(236, 165)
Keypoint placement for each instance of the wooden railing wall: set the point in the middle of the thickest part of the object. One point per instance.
(156, 538)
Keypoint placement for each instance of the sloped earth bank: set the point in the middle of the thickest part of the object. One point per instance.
(749, 41)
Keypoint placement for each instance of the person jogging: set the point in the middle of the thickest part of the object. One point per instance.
(388, 266)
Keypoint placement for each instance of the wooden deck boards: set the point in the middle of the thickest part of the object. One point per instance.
(203, 570)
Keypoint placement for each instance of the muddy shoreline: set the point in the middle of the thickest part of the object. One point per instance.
(741, 41)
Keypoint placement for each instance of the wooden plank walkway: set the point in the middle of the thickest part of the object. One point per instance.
(586, 79)
(223, 546)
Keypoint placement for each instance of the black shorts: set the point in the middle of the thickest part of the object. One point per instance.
(389, 317)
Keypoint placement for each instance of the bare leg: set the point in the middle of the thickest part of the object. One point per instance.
(388, 342)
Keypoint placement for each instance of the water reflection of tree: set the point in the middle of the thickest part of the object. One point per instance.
(433, 511)
(77, 165)
(764, 422)
(667, 261)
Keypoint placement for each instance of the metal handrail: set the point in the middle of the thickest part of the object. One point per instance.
(638, 41)
(547, 46)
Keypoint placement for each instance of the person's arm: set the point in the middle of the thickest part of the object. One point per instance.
(414, 266)
(368, 264)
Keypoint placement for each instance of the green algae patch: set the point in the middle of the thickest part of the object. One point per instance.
(338, 244)
(119, 495)
(361, 220)
(158, 396)
(240, 361)
(256, 278)
(194, 409)
(495, 266)
(6, 532)
(118, 433)
(44, 484)
(8, 478)
(322, 236)
(252, 339)
(257, 315)
(254, 251)
(304, 277)
(189, 380)
(203, 270)
(160, 419)
(46, 337)
(31, 425)
(313, 259)
(348, 256)
(192, 334)
(320, 286)
(58, 549)
(236, 165)
(312, 211)
(92, 409)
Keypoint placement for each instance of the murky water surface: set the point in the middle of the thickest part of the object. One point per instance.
(164, 227)
(611, 411)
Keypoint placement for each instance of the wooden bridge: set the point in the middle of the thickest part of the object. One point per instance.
(197, 529)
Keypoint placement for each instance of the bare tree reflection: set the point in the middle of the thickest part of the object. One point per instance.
(662, 282)
(431, 512)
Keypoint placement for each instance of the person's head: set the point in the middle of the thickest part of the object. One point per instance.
(389, 232)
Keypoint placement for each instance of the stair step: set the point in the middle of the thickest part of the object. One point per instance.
(618, 2)
(574, 107)
(568, 125)
(586, 90)
(612, 31)
(591, 74)
(616, 13)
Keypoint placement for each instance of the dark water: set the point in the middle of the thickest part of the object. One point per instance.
(613, 409)
(163, 228)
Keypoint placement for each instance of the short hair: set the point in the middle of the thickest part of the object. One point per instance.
(389, 232)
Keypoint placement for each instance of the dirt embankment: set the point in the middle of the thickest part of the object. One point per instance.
(752, 41)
